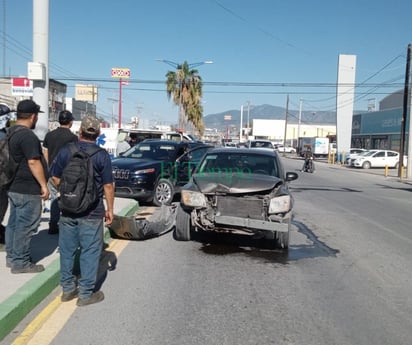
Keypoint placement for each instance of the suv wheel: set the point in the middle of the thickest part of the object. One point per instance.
(164, 192)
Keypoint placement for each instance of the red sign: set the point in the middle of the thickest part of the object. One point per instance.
(22, 82)
(120, 72)
(22, 87)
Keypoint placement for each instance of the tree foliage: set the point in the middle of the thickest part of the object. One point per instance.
(184, 87)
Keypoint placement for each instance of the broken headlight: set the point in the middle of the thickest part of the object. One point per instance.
(280, 204)
(193, 199)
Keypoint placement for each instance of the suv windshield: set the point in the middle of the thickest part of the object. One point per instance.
(151, 150)
(239, 163)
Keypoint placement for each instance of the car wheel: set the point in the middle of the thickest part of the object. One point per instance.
(282, 239)
(182, 229)
(366, 165)
(164, 192)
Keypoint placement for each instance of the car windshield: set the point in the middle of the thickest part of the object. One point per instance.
(261, 144)
(367, 153)
(151, 150)
(239, 163)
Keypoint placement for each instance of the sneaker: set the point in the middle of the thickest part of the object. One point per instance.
(68, 296)
(32, 268)
(95, 297)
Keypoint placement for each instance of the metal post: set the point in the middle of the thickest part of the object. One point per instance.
(241, 124)
(120, 102)
(248, 112)
(300, 116)
(41, 55)
(286, 123)
(405, 111)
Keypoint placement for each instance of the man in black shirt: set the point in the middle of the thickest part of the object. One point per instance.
(53, 142)
(27, 190)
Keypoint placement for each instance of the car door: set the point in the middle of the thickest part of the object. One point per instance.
(378, 159)
(187, 163)
(392, 158)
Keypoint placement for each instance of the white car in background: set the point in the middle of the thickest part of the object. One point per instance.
(353, 153)
(260, 144)
(285, 149)
(377, 159)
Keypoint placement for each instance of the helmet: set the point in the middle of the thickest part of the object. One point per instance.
(4, 116)
(4, 109)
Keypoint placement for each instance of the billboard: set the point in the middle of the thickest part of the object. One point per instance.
(22, 87)
(86, 93)
(120, 72)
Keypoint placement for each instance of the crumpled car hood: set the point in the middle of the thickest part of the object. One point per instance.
(234, 183)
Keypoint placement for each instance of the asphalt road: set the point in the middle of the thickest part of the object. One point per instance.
(345, 281)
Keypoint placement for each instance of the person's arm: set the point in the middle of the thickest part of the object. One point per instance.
(46, 155)
(36, 169)
(109, 196)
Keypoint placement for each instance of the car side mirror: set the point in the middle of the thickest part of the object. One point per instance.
(291, 176)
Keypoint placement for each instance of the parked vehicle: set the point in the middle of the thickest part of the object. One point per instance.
(240, 191)
(353, 153)
(285, 149)
(155, 169)
(261, 144)
(377, 159)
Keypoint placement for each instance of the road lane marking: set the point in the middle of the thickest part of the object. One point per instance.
(50, 321)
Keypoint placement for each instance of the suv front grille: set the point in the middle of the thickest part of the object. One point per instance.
(121, 174)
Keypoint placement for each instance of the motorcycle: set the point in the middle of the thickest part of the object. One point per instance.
(309, 166)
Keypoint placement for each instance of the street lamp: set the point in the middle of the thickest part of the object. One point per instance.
(178, 66)
(191, 65)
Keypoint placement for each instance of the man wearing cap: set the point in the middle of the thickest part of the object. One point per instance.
(53, 142)
(84, 231)
(27, 190)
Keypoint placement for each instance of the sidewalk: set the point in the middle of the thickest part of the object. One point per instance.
(20, 293)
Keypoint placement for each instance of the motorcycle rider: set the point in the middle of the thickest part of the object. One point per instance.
(308, 155)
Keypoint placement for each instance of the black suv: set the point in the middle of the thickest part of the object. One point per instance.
(154, 170)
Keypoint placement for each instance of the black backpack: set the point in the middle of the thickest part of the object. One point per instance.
(78, 190)
(8, 166)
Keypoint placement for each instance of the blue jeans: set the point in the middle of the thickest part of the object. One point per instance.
(24, 220)
(85, 235)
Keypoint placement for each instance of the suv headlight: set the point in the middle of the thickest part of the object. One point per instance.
(193, 199)
(280, 204)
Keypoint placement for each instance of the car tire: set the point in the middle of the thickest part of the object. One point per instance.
(282, 239)
(163, 192)
(183, 225)
(366, 165)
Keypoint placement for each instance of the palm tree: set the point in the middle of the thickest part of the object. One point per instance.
(185, 88)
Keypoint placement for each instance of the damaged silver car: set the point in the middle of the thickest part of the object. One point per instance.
(240, 191)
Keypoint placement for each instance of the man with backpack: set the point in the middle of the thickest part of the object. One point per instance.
(52, 143)
(81, 224)
(27, 189)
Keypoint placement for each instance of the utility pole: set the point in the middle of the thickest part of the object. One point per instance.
(300, 116)
(286, 121)
(248, 112)
(241, 125)
(404, 116)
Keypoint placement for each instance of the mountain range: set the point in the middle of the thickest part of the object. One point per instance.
(267, 112)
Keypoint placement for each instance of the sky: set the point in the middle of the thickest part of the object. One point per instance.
(262, 50)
